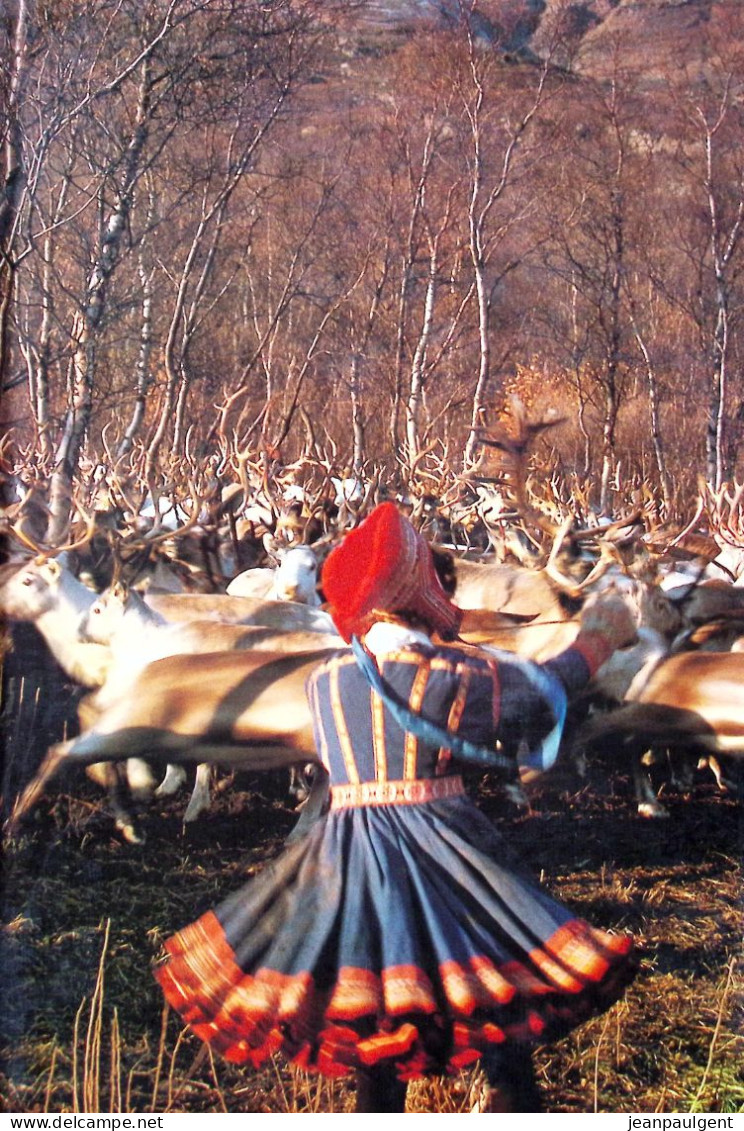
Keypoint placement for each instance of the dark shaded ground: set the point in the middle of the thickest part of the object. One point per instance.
(80, 1032)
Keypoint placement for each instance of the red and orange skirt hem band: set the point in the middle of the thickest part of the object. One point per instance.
(397, 1016)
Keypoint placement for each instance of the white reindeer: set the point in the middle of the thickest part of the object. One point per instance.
(46, 594)
(294, 578)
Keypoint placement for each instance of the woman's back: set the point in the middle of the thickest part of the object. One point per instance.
(441, 684)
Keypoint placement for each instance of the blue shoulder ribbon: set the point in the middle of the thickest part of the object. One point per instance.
(547, 686)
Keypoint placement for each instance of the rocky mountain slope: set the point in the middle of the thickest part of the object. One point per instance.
(656, 39)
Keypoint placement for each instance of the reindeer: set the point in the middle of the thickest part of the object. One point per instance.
(45, 593)
(136, 635)
(294, 578)
(236, 709)
(689, 701)
(289, 615)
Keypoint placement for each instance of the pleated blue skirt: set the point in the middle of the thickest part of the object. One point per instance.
(396, 934)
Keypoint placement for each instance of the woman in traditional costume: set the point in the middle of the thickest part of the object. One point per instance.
(399, 938)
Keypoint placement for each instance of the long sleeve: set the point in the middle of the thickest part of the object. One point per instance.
(524, 712)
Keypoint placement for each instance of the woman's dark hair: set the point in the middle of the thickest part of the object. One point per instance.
(444, 564)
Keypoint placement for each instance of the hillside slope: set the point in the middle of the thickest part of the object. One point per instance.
(656, 40)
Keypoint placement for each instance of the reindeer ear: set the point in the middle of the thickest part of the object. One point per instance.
(119, 591)
(54, 569)
(272, 546)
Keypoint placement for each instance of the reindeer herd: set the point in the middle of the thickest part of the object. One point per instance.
(194, 616)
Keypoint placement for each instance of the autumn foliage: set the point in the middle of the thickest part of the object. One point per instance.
(375, 234)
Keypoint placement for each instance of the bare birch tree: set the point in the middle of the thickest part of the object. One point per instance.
(492, 211)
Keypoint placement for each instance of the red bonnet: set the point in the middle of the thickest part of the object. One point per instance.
(385, 565)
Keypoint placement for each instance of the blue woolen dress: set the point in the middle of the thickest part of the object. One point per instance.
(399, 931)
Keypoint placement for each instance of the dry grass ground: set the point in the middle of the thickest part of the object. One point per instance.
(82, 1026)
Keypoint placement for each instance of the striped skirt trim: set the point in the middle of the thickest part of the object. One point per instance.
(398, 1016)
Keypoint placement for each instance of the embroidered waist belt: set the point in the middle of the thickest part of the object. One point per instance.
(396, 792)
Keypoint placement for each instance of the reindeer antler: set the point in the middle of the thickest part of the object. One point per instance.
(514, 443)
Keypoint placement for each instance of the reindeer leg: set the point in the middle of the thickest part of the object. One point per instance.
(119, 799)
(54, 758)
(681, 767)
(109, 776)
(201, 793)
(174, 778)
(313, 809)
(726, 785)
(648, 803)
(140, 779)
